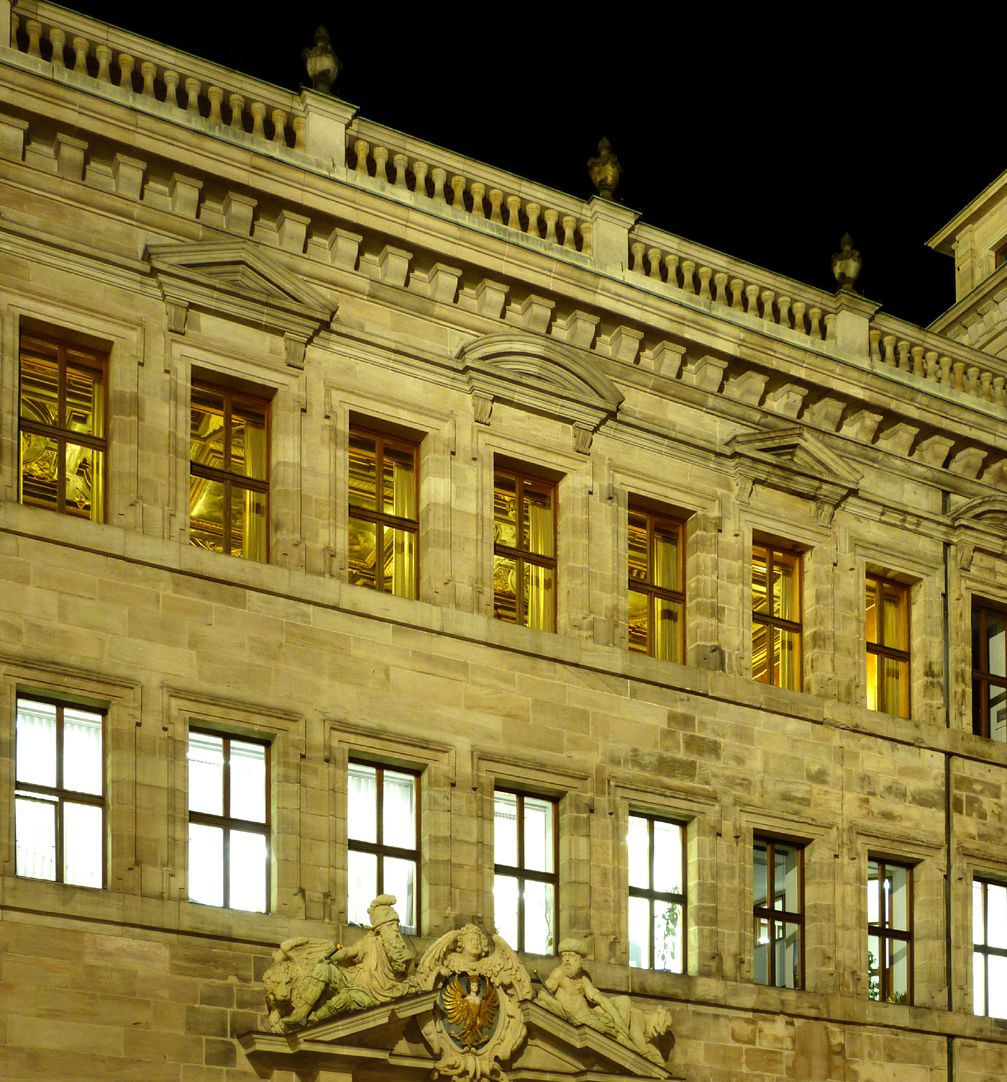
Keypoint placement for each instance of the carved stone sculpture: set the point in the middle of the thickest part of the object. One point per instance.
(569, 993)
(605, 170)
(477, 1024)
(313, 979)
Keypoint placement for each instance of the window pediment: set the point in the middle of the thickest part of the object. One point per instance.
(236, 280)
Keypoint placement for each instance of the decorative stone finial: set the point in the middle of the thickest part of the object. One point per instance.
(846, 263)
(322, 63)
(605, 170)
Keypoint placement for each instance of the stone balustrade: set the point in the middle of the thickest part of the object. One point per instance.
(934, 359)
(727, 283)
(468, 187)
(94, 50)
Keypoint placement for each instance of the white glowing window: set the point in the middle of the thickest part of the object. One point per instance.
(525, 883)
(989, 948)
(228, 821)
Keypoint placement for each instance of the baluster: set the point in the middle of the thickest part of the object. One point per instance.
(737, 285)
(148, 72)
(496, 200)
(126, 62)
(972, 380)
(361, 148)
(917, 352)
(815, 316)
(637, 248)
(999, 384)
(752, 299)
(216, 96)
(767, 296)
(57, 39)
(439, 177)
(902, 348)
(81, 47)
(533, 210)
(688, 270)
(34, 30)
(585, 238)
(477, 189)
(830, 326)
(720, 287)
(986, 386)
(705, 274)
(889, 343)
(569, 223)
(458, 192)
(420, 177)
(798, 310)
(654, 262)
(192, 96)
(874, 341)
(171, 87)
(103, 54)
(783, 304)
(958, 375)
(237, 104)
(946, 371)
(381, 163)
(932, 366)
(514, 212)
(258, 111)
(551, 217)
(15, 26)
(399, 164)
(300, 126)
(671, 269)
(279, 118)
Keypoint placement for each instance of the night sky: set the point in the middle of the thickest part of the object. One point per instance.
(765, 134)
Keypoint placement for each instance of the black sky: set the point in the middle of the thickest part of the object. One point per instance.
(762, 132)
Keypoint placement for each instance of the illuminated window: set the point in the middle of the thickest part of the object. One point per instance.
(989, 948)
(656, 849)
(384, 841)
(229, 471)
(889, 932)
(656, 597)
(62, 428)
(525, 883)
(989, 672)
(524, 550)
(228, 821)
(887, 646)
(383, 518)
(59, 793)
(778, 912)
(776, 617)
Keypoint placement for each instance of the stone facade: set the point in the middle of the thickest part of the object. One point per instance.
(190, 224)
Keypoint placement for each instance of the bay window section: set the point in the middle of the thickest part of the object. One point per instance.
(889, 932)
(525, 884)
(383, 830)
(657, 911)
(776, 617)
(989, 672)
(228, 821)
(656, 592)
(887, 620)
(524, 550)
(989, 948)
(778, 913)
(59, 792)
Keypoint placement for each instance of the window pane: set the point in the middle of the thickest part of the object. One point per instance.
(787, 659)
(788, 955)
(538, 917)
(667, 564)
(873, 967)
(639, 622)
(996, 915)
(249, 855)
(400, 880)
(998, 712)
(399, 811)
(505, 907)
(785, 587)
(505, 829)
(82, 478)
(362, 553)
(667, 857)
(84, 401)
(206, 773)
(895, 686)
(40, 388)
(206, 513)
(538, 838)
(997, 1006)
(206, 864)
(36, 742)
(760, 580)
(872, 682)
(897, 888)
(874, 910)
(996, 643)
(538, 597)
(248, 524)
(39, 469)
(760, 963)
(638, 846)
(759, 878)
(35, 833)
(872, 611)
(82, 845)
(761, 652)
(505, 588)
(505, 511)
(639, 564)
(206, 429)
(667, 629)
(400, 548)
(668, 952)
(639, 932)
(248, 782)
(978, 983)
(363, 472)
(537, 526)
(978, 922)
(362, 871)
(248, 441)
(362, 805)
(893, 626)
(900, 971)
(399, 482)
(787, 886)
(82, 757)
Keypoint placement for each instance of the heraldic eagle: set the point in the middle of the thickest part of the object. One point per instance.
(471, 1014)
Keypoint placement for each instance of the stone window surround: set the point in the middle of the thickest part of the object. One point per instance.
(980, 603)
(969, 864)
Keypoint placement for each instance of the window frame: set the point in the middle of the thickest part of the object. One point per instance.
(91, 358)
(984, 949)
(775, 916)
(882, 650)
(382, 519)
(378, 848)
(651, 895)
(672, 523)
(886, 935)
(225, 477)
(60, 793)
(795, 558)
(982, 678)
(523, 556)
(519, 871)
(228, 822)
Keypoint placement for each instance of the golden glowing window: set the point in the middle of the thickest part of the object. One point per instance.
(989, 672)
(524, 550)
(887, 646)
(228, 472)
(656, 597)
(383, 513)
(776, 617)
(62, 428)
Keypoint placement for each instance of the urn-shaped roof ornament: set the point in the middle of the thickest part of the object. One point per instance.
(846, 263)
(322, 63)
(605, 170)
